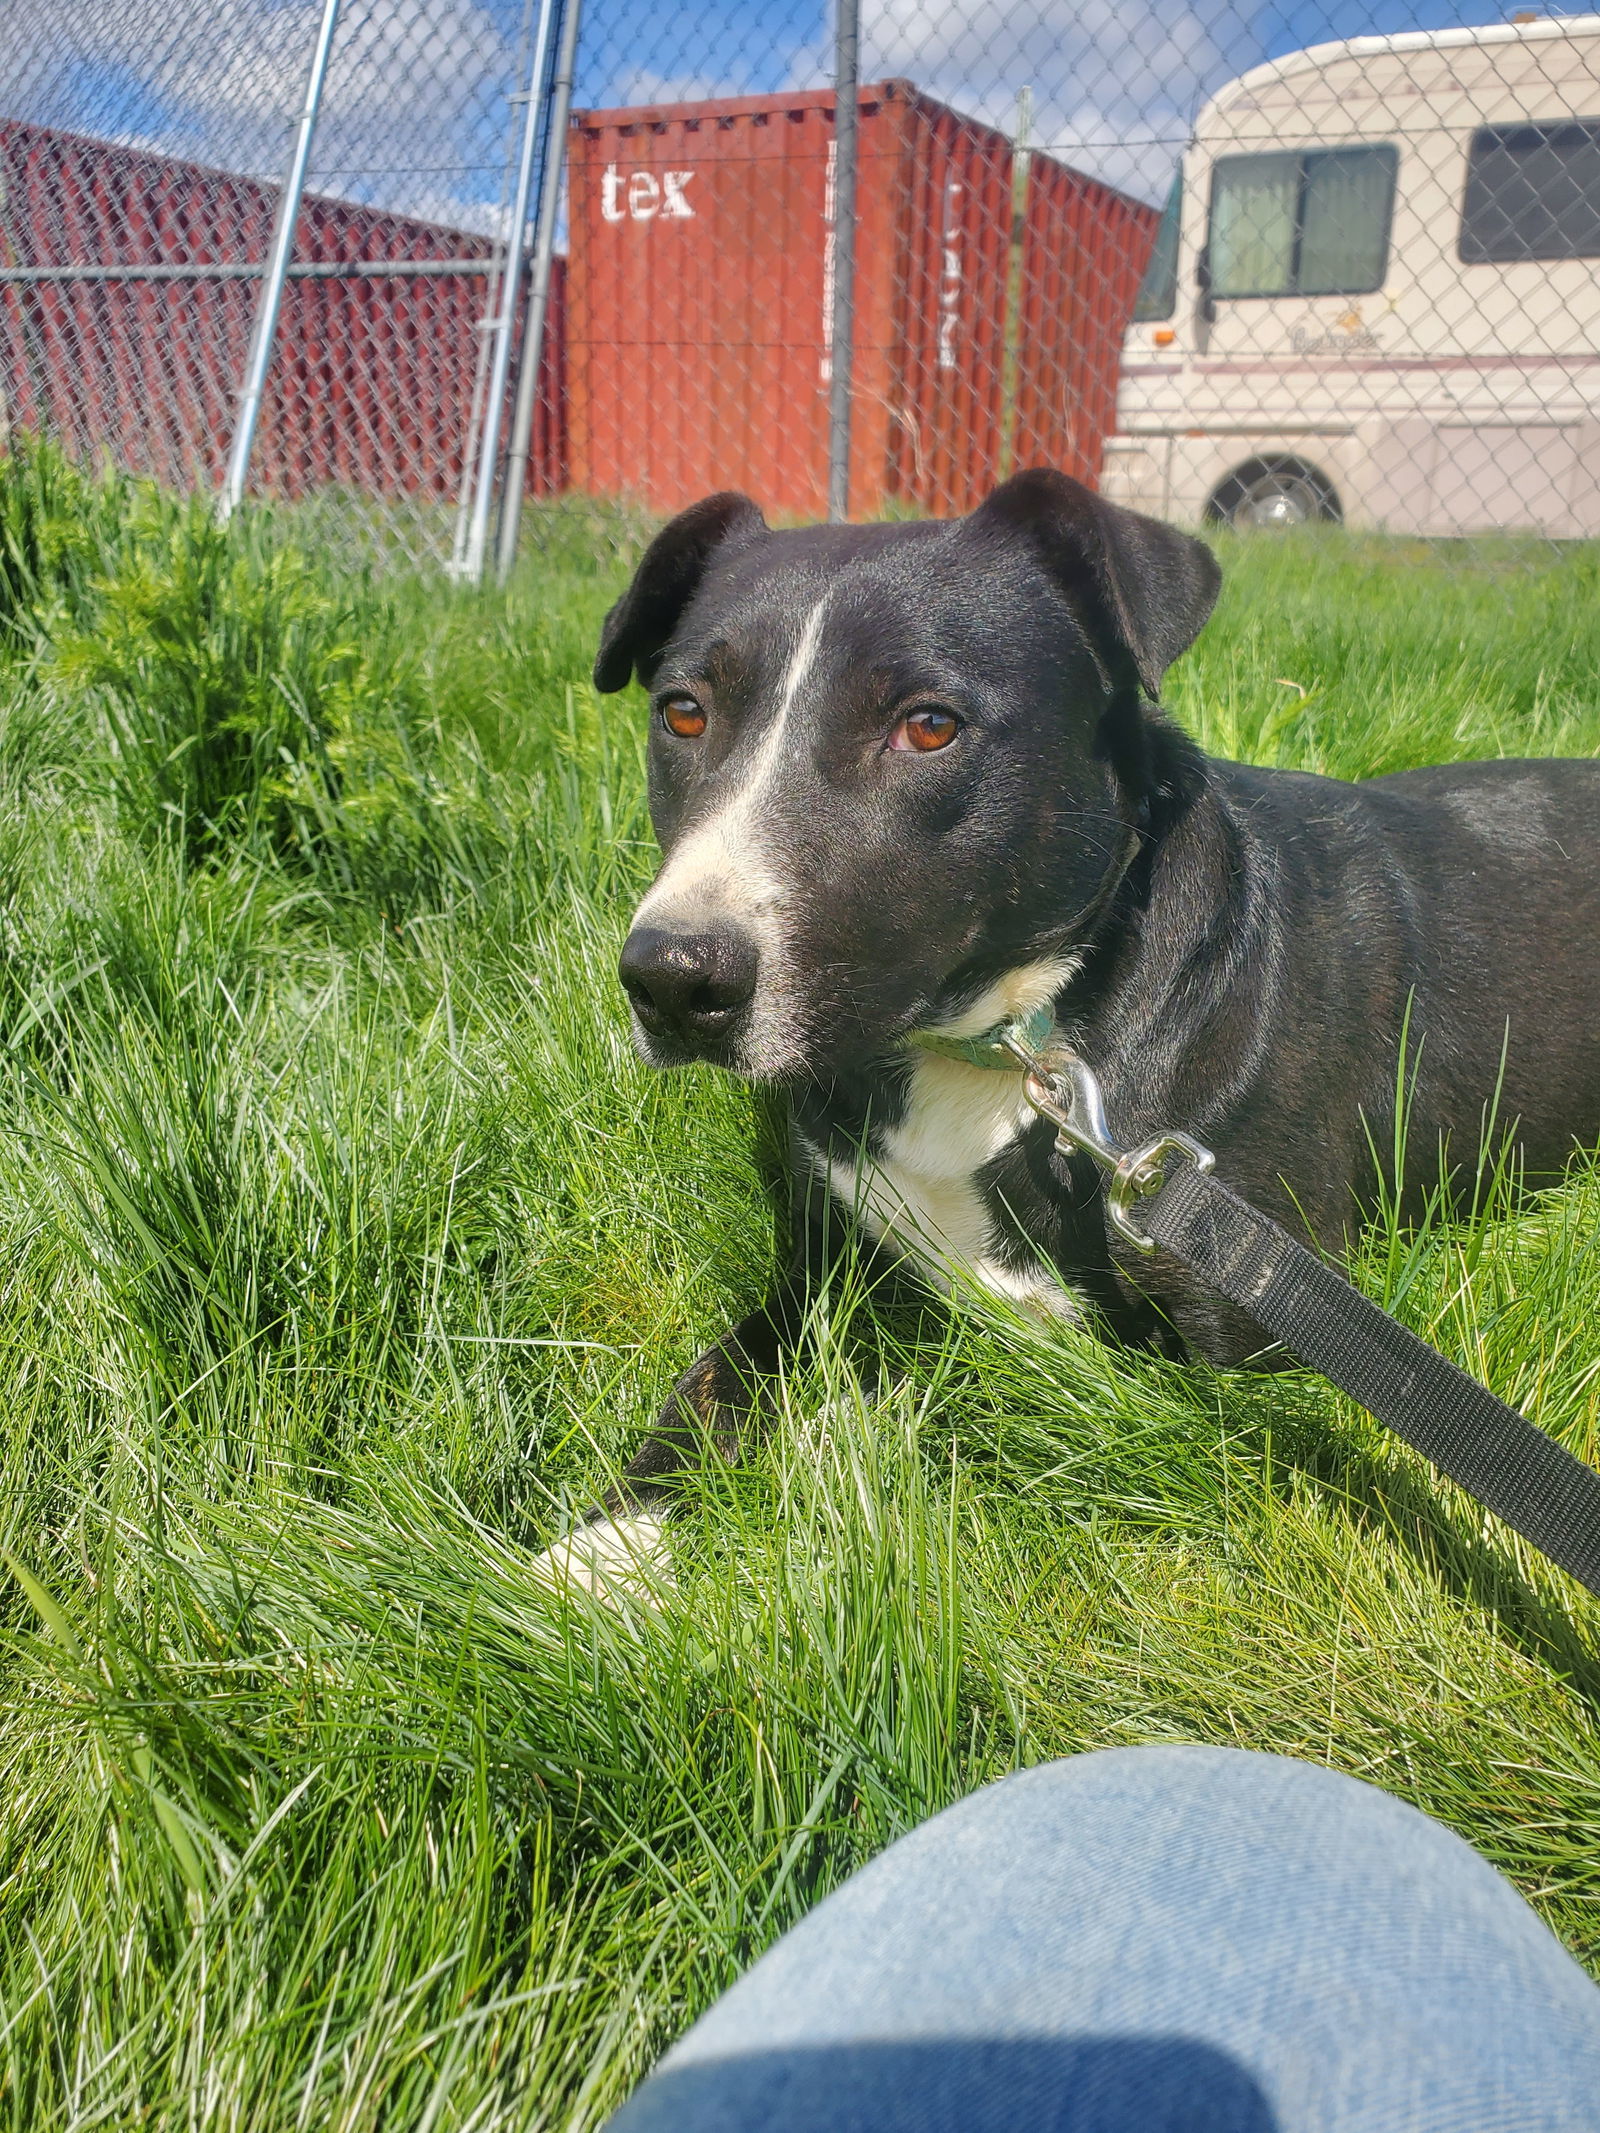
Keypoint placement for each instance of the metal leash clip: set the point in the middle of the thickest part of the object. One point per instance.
(1067, 1092)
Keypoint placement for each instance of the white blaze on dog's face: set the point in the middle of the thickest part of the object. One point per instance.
(725, 879)
(884, 771)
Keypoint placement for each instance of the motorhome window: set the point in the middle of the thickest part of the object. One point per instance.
(1308, 224)
(1158, 292)
(1533, 192)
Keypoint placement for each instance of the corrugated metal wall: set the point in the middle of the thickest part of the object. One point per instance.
(988, 329)
(696, 297)
(954, 210)
(1084, 251)
(372, 377)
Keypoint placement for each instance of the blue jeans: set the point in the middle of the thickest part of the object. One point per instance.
(1153, 1940)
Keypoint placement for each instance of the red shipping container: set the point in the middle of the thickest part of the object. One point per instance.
(372, 375)
(987, 331)
(1085, 247)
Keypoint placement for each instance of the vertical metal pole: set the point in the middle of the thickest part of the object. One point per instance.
(503, 322)
(266, 326)
(480, 364)
(1011, 318)
(544, 247)
(846, 134)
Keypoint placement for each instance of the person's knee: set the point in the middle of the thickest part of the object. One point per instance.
(1149, 1801)
(1225, 1802)
(1303, 1931)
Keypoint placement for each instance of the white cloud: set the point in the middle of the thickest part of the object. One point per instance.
(478, 218)
(643, 85)
(1114, 87)
(414, 116)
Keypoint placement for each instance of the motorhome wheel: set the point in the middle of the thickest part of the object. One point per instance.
(1274, 493)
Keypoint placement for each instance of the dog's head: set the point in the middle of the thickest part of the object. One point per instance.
(890, 766)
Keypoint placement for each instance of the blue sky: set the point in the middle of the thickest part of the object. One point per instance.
(416, 113)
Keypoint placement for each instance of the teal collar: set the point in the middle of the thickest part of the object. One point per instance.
(989, 1048)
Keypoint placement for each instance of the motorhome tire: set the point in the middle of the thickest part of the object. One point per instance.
(1273, 493)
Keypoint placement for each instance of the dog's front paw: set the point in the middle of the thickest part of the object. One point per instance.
(611, 1557)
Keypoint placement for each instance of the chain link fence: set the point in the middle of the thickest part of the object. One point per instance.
(1271, 264)
(142, 150)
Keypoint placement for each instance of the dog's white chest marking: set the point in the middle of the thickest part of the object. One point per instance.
(921, 1192)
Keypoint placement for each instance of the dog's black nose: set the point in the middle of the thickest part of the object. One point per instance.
(688, 985)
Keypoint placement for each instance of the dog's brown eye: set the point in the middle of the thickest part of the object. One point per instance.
(926, 729)
(684, 717)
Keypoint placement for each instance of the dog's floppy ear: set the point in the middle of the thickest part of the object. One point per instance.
(636, 631)
(1142, 590)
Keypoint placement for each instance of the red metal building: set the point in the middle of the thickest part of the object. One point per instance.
(371, 384)
(990, 304)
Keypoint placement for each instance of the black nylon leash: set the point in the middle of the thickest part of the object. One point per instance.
(1487, 1447)
(1492, 1451)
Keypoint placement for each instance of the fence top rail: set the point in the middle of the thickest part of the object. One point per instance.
(213, 270)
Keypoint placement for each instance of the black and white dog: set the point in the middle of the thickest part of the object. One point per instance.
(909, 782)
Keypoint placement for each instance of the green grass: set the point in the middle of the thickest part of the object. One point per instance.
(343, 1242)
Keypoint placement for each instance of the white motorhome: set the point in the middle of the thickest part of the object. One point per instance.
(1375, 294)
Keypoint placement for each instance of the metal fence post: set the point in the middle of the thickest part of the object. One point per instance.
(846, 134)
(266, 325)
(544, 246)
(503, 324)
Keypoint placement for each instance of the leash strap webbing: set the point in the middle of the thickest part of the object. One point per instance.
(1524, 1476)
